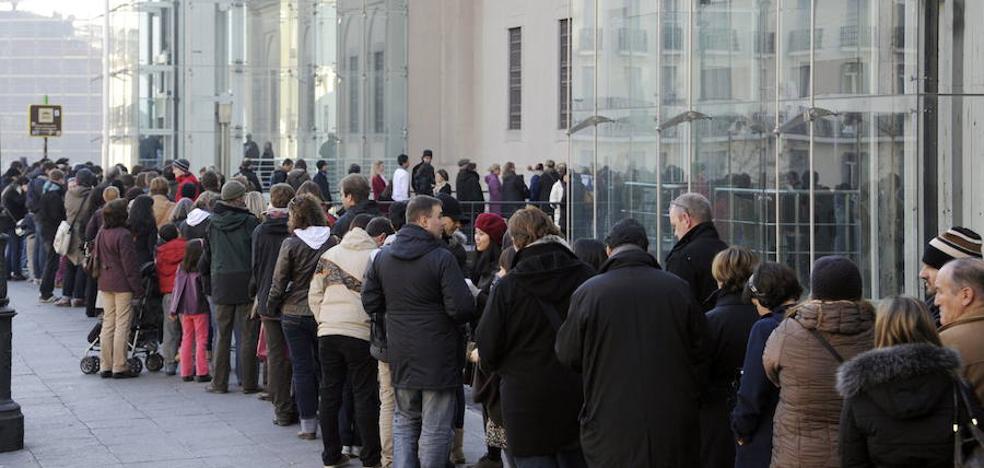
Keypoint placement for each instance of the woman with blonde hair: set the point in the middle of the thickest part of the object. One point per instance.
(899, 397)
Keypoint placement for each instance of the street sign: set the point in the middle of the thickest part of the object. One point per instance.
(45, 120)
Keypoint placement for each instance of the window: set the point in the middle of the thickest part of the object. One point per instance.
(353, 91)
(377, 91)
(852, 78)
(716, 83)
(515, 79)
(564, 114)
(804, 80)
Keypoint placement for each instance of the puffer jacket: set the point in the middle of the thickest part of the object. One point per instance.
(807, 418)
(336, 288)
(77, 213)
(898, 403)
(168, 258)
(295, 266)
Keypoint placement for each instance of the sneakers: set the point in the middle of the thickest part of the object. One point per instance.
(64, 302)
(212, 389)
(47, 300)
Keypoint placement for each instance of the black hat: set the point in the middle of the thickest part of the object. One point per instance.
(451, 208)
(627, 231)
(836, 278)
(85, 178)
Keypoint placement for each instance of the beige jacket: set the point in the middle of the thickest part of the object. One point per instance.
(335, 295)
(965, 335)
(162, 210)
(807, 420)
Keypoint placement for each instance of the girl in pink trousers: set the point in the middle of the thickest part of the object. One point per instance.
(189, 303)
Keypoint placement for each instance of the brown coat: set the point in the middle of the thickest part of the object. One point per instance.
(119, 271)
(162, 210)
(807, 418)
(964, 335)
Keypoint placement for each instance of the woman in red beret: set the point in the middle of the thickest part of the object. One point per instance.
(489, 231)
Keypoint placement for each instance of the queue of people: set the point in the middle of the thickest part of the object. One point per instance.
(363, 329)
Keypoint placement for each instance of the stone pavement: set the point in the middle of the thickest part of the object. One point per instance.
(80, 420)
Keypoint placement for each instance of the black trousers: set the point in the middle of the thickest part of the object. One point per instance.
(50, 269)
(342, 358)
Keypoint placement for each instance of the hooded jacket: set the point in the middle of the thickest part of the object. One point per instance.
(964, 335)
(295, 266)
(467, 186)
(808, 414)
(898, 407)
(267, 239)
(225, 265)
(336, 288)
(541, 397)
(78, 209)
(416, 285)
(195, 226)
(691, 260)
(168, 258)
(621, 323)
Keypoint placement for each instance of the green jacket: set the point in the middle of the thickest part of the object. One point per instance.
(228, 253)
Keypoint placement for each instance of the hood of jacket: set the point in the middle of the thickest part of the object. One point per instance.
(547, 269)
(52, 186)
(413, 242)
(228, 217)
(358, 239)
(196, 216)
(171, 252)
(902, 380)
(629, 258)
(838, 317)
(314, 236)
(276, 226)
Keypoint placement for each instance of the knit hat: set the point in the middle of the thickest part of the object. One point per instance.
(493, 225)
(836, 278)
(233, 190)
(182, 164)
(958, 242)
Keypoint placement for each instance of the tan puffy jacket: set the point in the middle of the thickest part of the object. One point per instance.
(964, 335)
(807, 419)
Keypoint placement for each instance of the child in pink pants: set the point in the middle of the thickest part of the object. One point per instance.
(189, 303)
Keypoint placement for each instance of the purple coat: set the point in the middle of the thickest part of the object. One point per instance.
(495, 192)
(187, 297)
(119, 271)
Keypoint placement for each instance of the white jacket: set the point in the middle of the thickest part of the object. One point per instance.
(557, 196)
(335, 295)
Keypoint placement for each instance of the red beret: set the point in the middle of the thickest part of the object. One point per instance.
(493, 225)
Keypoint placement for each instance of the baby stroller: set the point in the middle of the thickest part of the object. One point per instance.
(145, 331)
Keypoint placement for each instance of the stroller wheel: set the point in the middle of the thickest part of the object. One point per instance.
(134, 365)
(90, 364)
(155, 362)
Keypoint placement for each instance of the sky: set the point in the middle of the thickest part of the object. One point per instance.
(82, 9)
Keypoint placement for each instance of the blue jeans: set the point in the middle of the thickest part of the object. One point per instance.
(422, 427)
(566, 459)
(14, 250)
(301, 334)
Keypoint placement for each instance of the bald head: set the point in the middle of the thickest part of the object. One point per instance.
(960, 289)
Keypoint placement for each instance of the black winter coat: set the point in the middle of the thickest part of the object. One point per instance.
(14, 206)
(51, 212)
(467, 186)
(226, 261)
(638, 338)
(279, 176)
(417, 286)
(513, 190)
(729, 324)
(691, 260)
(540, 397)
(755, 407)
(322, 180)
(423, 179)
(267, 238)
(342, 225)
(547, 181)
(253, 179)
(898, 407)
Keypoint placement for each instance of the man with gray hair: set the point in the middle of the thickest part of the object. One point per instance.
(960, 297)
(697, 244)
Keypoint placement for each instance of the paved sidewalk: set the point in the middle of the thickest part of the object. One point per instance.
(80, 420)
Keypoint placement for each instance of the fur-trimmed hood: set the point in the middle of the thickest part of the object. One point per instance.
(893, 364)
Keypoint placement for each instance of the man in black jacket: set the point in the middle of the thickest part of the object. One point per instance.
(13, 200)
(51, 212)
(279, 176)
(547, 181)
(425, 304)
(226, 268)
(321, 178)
(422, 175)
(267, 238)
(652, 421)
(355, 200)
(246, 170)
(698, 242)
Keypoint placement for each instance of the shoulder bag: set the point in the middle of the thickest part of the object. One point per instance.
(968, 444)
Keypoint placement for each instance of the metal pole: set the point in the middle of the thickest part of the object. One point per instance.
(778, 128)
(813, 125)
(11, 418)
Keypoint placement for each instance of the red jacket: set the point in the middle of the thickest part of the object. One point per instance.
(187, 178)
(169, 257)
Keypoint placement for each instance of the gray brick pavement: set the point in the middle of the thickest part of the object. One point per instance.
(76, 420)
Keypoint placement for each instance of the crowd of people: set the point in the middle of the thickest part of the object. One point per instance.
(363, 321)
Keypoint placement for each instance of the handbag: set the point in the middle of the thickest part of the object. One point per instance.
(968, 444)
(90, 259)
(63, 238)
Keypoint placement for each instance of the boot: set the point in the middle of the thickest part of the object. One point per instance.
(457, 448)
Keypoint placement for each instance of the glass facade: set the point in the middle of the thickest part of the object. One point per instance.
(742, 101)
(312, 79)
